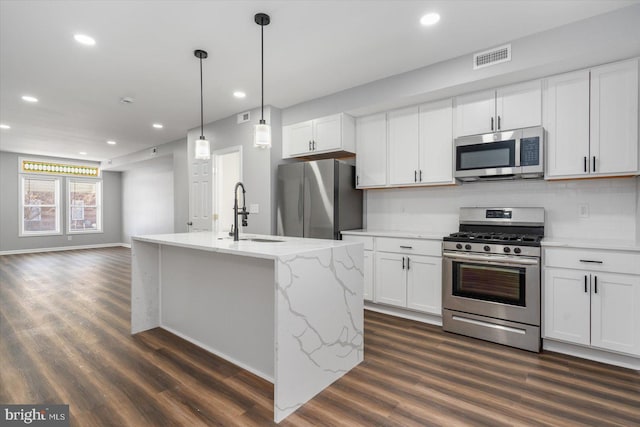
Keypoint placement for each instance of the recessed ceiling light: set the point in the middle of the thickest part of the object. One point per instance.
(84, 153)
(110, 142)
(430, 19)
(239, 94)
(158, 125)
(84, 39)
(29, 98)
(3, 126)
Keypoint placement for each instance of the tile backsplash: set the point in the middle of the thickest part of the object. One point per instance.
(596, 208)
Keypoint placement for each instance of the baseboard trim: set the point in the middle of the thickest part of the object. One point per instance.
(431, 319)
(64, 248)
(596, 355)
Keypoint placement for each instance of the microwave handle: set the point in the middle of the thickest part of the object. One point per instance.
(491, 123)
(517, 163)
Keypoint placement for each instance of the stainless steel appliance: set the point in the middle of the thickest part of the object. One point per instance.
(502, 155)
(491, 276)
(318, 199)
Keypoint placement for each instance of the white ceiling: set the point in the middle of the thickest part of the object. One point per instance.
(145, 50)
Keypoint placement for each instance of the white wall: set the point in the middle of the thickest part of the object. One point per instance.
(258, 165)
(613, 206)
(147, 198)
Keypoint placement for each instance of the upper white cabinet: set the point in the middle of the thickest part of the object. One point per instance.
(436, 142)
(421, 144)
(371, 149)
(403, 130)
(510, 107)
(319, 136)
(591, 120)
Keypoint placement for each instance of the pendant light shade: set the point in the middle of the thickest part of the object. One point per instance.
(202, 148)
(262, 131)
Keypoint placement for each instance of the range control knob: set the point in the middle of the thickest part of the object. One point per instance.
(507, 249)
(487, 248)
(517, 250)
(459, 246)
(467, 247)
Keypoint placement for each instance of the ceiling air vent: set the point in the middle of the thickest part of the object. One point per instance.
(244, 117)
(492, 57)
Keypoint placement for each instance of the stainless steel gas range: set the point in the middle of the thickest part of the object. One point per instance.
(491, 276)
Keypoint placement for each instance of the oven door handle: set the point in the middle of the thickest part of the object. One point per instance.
(492, 259)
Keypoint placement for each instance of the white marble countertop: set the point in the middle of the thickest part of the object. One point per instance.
(427, 235)
(607, 244)
(221, 242)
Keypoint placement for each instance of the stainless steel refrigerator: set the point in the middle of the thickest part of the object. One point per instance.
(318, 199)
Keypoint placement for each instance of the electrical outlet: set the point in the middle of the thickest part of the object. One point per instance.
(583, 210)
(254, 208)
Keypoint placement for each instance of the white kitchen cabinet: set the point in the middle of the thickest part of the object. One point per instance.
(615, 313)
(371, 151)
(391, 279)
(335, 133)
(368, 272)
(614, 118)
(591, 119)
(436, 143)
(566, 121)
(403, 133)
(589, 306)
(424, 284)
(405, 279)
(421, 144)
(509, 107)
(368, 276)
(567, 305)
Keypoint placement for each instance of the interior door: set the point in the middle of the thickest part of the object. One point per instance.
(200, 191)
(227, 172)
(290, 200)
(319, 200)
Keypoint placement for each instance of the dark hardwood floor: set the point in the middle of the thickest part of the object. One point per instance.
(64, 338)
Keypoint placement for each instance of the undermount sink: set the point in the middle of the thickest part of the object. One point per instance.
(254, 239)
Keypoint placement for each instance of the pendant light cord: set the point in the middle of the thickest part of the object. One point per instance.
(201, 103)
(262, 70)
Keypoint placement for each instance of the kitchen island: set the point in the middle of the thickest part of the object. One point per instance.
(289, 310)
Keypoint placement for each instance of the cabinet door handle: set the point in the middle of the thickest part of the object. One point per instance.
(415, 176)
(190, 223)
(403, 263)
(314, 145)
(408, 265)
(585, 284)
(594, 163)
(498, 122)
(406, 247)
(491, 123)
(592, 261)
(309, 145)
(585, 163)
(420, 175)
(357, 179)
(595, 283)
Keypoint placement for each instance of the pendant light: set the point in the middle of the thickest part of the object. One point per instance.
(262, 135)
(202, 150)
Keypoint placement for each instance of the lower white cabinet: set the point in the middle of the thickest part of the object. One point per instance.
(409, 281)
(402, 272)
(368, 276)
(594, 308)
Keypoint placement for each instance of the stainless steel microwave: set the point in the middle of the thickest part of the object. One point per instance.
(502, 155)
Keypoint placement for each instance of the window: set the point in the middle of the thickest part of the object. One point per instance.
(84, 208)
(39, 205)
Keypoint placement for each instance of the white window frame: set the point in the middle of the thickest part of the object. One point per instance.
(58, 231)
(98, 206)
